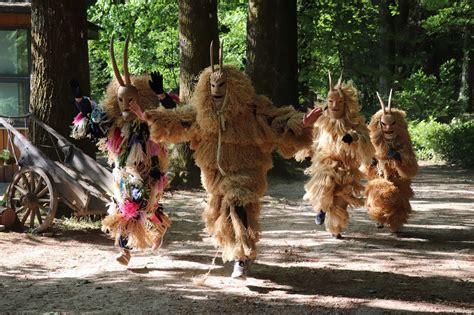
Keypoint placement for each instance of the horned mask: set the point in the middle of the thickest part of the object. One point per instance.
(387, 121)
(218, 79)
(335, 100)
(126, 92)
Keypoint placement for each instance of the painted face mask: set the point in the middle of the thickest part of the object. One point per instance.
(388, 123)
(218, 80)
(126, 92)
(335, 100)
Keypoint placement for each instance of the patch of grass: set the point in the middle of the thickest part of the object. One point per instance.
(78, 223)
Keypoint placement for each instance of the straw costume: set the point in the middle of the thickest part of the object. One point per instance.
(233, 132)
(394, 165)
(135, 217)
(340, 144)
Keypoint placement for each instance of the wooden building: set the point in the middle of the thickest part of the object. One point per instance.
(15, 69)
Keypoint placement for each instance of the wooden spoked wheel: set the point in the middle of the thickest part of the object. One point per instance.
(33, 197)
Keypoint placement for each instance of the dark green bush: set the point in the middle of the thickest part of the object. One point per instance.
(453, 143)
(427, 96)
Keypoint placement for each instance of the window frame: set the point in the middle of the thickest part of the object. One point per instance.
(20, 78)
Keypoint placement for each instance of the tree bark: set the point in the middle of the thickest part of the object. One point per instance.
(197, 28)
(466, 90)
(272, 63)
(385, 47)
(59, 53)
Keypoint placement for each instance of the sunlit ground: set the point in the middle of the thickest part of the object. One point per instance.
(300, 269)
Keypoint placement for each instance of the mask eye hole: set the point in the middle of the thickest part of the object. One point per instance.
(221, 84)
(130, 99)
(393, 123)
(382, 123)
(213, 85)
(120, 99)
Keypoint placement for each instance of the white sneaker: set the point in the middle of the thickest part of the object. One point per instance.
(239, 269)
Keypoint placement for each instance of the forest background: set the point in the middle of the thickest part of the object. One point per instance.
(422, 49)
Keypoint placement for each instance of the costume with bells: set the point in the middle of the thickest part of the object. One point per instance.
(341, 143)
(135, 218)
(394, 165)
(233, 132)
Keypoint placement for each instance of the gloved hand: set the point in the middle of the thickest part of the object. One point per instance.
(156, 82)
(84, 106)
(347, 138)
(76, 88)
(392, 154)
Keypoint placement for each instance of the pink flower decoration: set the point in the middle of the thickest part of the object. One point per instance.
(130, 209)
(114, 143)
(155, 219)
(78, 118)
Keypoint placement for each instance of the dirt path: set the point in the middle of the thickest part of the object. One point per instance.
(430, 268)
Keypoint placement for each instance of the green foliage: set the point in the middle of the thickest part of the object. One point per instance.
(232, 16)
(335, 35)
(448, 15)
(453, 143)
(425, 96)
(424, 136)
(152, 27)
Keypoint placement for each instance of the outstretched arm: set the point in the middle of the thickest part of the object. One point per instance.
(171, 125)
(294, 129)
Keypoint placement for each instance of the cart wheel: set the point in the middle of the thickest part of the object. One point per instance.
(33, 197)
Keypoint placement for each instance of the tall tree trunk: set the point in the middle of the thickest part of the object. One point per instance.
(286, 49)
(197, 28)
(272, 61)
(467, 74)
(385, 46)
(59, 53)
(470, 83)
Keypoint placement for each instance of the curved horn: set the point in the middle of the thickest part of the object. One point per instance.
(221, 48)
(390, 101)
(118, 76)
(125, 63)
(330, 81)
(212, 55)
(381, 103)
(339, 81)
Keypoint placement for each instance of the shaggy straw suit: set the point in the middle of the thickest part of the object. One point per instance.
(335, 176)
(388, 191)
(233, 146)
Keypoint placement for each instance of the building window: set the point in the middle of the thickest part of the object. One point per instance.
(15, 67)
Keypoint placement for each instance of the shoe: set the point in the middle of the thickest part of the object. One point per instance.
(124, 257)
(239, 269)
(379, 225)
(337, 236)
(319, 220)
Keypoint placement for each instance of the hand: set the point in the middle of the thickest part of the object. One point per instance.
(156, 82)
(76, 88)
(84, 106)
(137, 109)
(392, 154)
(311, 117)
(347, 138)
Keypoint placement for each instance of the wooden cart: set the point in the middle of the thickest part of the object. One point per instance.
(41, 184)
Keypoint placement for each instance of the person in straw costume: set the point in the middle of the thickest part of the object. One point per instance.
(135, 217)
(393, 166)
(233, 132)
(341, 144)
